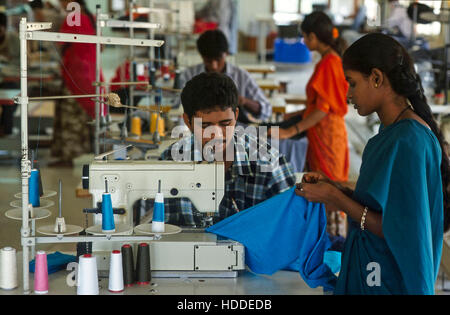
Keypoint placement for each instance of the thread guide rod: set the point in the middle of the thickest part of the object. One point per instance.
(60, 199)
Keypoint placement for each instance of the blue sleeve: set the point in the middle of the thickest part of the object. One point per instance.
(400, 190)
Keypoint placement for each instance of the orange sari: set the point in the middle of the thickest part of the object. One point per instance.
(326, 91)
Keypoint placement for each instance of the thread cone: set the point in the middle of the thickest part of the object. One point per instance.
(143, 272)
(128, 265)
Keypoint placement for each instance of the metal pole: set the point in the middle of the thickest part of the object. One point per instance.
(97, 89)
(151, 64)
(26, 163)
(413, 25)
(152, 34)
(132, 5)
(61, 97)
(383, 12)
(179, 36)
(262, 42)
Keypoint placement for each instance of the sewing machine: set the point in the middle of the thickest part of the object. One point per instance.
(190, 253)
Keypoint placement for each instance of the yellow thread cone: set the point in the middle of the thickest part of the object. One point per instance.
(161, 124)
(136, 126)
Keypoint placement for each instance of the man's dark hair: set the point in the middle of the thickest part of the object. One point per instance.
(36, 4)
(212, 44)
(208, 91)
(3, 20)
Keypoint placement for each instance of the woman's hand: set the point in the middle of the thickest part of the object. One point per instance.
(314, 177)
(320, 192)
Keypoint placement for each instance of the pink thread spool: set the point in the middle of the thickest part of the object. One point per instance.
(41, 273)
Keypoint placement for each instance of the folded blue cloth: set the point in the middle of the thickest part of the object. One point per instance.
(333, 260)
(283, 232)
(55, 262)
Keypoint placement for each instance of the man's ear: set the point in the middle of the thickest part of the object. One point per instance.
(236, 113)
(188, 122)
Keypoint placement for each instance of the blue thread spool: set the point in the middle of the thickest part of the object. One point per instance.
(158, 211)
(33, 189)
(108, 225)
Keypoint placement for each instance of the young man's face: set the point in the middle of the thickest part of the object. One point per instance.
(215, 125)
(215, 64)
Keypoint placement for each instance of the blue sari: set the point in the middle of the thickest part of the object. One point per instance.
(399, 177)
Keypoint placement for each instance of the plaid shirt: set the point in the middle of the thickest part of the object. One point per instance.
(247, 183)
(245, 84)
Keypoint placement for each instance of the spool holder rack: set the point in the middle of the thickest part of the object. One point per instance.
(34, 32)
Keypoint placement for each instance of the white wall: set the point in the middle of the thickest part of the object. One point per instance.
(342, 7)
(249, 9)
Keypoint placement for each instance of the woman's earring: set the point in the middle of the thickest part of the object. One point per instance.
(376, 85)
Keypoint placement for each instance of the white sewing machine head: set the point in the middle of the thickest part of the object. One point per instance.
(130, 181)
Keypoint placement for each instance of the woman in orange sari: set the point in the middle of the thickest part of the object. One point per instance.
(326, 104)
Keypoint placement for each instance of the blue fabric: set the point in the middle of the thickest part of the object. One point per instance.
(55, 262)
(283, 232)
(399, 177)
(333, 260)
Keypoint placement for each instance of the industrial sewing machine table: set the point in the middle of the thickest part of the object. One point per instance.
(247, 283)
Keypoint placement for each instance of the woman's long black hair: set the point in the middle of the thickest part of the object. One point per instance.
(320, 24)
(386, 54)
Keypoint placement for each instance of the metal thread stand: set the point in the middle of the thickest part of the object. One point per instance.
(151, 8)
(33, 31)
(102, 22)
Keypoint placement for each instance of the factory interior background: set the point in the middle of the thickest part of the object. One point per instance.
(265, 39)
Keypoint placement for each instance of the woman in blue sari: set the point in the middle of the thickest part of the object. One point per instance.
(398, 211)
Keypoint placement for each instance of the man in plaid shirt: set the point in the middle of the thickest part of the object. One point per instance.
(250, 177)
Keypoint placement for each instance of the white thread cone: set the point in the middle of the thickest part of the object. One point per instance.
(8, 268)
(87, 276)
(116, 272)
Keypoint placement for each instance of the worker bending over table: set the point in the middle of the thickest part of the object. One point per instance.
(249, 180)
